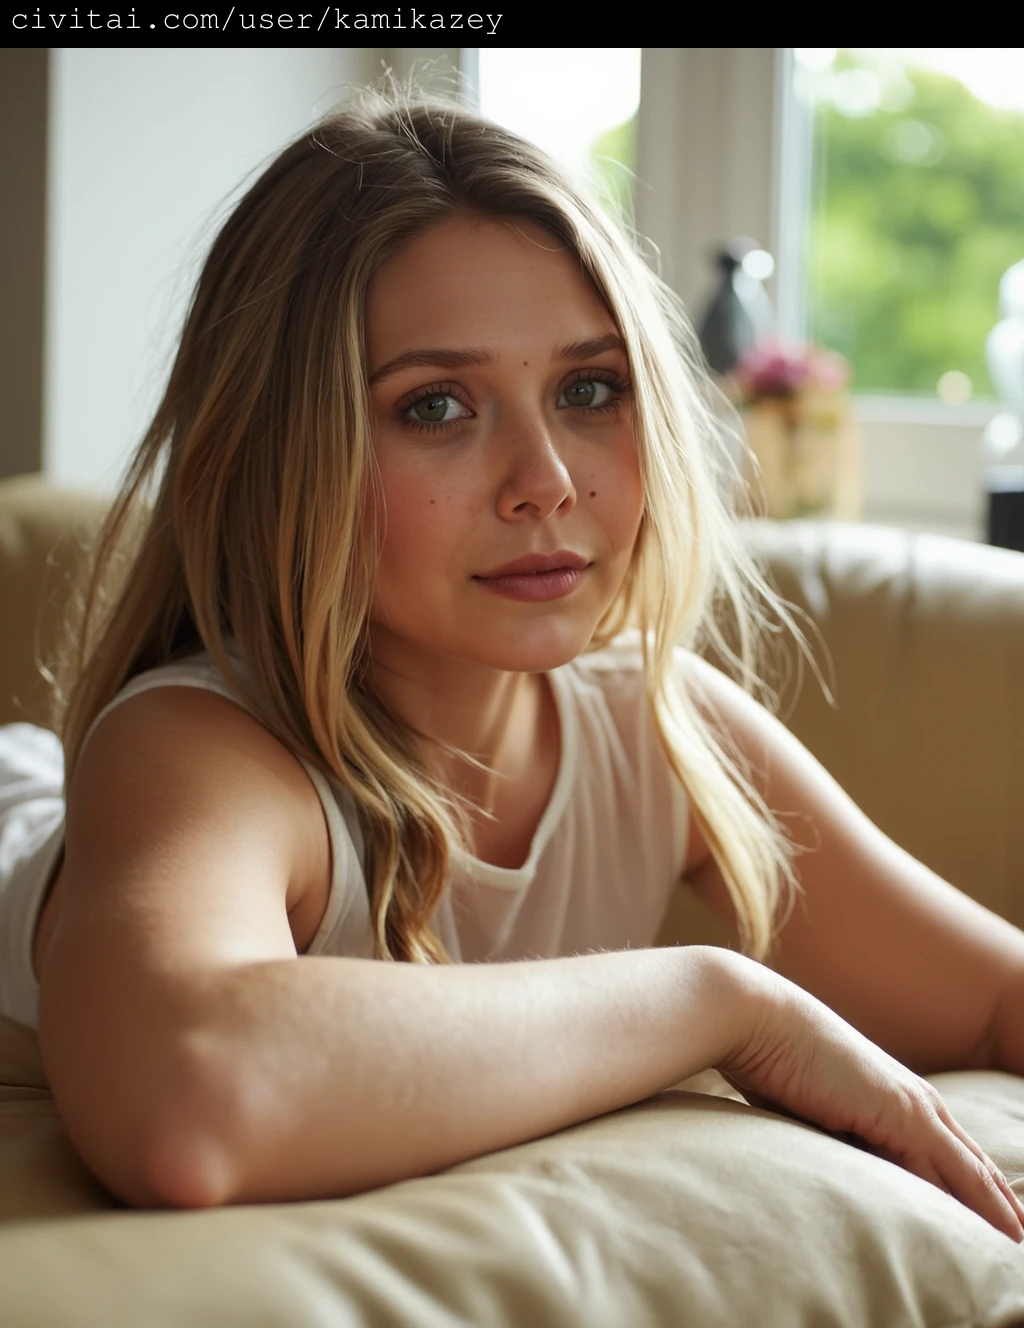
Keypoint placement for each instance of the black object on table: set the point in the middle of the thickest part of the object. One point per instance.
(739, 314)
(1005, 514)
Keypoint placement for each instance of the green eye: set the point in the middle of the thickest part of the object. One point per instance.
(581, 394)
(587, 392)
(432, 410)
(438, 408)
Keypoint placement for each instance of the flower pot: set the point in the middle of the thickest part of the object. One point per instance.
(802, 467)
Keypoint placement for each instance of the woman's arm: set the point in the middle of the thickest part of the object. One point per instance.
(349, 1074)
(197, 1060)
(913, 963)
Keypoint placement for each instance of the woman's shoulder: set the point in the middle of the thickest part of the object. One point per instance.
(191, 758)
(195, 670)
(186, 743)
(189, 701)
(187, 717)
(194, 667)
(190, 706)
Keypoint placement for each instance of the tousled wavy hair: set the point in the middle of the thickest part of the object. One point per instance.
(241, 512)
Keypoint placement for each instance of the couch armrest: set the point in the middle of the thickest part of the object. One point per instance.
(42, 525)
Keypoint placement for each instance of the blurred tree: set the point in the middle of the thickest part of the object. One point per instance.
(918, 211)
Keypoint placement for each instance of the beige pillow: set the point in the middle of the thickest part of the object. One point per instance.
(689, 1208)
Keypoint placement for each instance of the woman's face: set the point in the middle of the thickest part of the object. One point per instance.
(504, 429)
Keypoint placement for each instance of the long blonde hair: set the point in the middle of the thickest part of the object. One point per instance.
(241, 512)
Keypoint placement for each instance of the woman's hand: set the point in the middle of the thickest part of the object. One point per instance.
(798, 1055)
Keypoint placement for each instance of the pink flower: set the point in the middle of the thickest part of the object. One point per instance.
(781, 369)
(831, 373)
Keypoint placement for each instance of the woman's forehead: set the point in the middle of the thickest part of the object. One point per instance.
(485, 283)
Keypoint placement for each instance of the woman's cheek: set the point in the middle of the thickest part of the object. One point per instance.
(615, 495)
(420, 521)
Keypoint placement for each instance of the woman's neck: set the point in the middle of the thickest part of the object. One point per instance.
(495, 717)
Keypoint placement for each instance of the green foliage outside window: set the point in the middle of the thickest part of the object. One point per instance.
(918, 211)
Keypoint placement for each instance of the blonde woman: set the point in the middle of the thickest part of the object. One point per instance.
(387, 655)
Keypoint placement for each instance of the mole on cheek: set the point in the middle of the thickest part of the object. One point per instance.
(593, 493)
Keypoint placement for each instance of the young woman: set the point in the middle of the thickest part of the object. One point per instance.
(388, 655)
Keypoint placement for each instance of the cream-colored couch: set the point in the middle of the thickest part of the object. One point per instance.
(691, 1208)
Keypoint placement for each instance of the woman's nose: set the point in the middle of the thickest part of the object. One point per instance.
(536, 481)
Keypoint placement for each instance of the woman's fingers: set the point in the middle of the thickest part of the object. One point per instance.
(1000, 1181)
(800, 1057)
(961, 1169)
(935, 1146)
(982, 1187)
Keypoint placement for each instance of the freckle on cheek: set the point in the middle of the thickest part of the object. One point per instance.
(593, 493)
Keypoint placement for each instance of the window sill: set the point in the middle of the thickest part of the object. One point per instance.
(925, 412)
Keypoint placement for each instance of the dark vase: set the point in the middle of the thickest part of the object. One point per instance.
(740, 313)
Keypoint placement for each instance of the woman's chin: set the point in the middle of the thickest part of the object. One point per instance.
(524, 647)
(537, 651)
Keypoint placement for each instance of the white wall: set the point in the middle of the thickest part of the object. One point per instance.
(145, 147)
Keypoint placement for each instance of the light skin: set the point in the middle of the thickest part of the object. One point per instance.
(495, 438)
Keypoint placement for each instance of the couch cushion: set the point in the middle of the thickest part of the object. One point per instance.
(43, 528)
(926, 635)
(921, 638)
(690, 1207)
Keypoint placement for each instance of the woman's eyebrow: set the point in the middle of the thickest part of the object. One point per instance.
(584, 350)
(458, 359)
(446, 359)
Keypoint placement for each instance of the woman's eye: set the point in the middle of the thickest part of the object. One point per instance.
(588, 392)
(438, 408)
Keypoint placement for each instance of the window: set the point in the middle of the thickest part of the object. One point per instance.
(578, 105)
(916, 209)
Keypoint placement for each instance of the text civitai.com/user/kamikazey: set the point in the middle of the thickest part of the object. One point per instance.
(331, 20)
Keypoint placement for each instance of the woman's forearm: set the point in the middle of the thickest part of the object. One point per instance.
(325, 1077)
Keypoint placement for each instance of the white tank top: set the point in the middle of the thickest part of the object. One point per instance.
(605, 857)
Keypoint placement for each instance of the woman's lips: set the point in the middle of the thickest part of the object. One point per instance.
(535, 586)
(556, 561)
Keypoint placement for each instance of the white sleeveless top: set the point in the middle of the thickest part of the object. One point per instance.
(605, 857)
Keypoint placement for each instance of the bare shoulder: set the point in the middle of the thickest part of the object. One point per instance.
(183, 741)
(181, 774)
(185, 756)
(711, 689)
